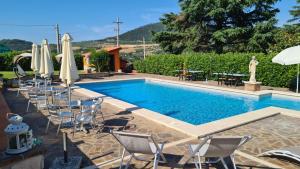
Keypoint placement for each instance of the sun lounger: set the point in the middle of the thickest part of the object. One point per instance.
(139, 143)
(290, 152)
(217, 148)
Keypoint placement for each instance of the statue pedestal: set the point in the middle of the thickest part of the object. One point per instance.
(252, 86)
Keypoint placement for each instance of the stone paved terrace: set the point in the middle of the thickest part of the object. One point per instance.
(101, 150)
(271, 133)
(96, 148)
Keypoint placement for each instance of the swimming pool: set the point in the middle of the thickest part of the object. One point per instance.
(189, 104)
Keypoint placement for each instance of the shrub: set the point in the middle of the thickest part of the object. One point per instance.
(56, 64)
(6, 60)
(160, 64)
(268, 73)
(79, 60)
(100, 60)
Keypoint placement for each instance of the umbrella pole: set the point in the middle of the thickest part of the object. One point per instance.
(35, 79)
(297, 89)
(69, 93)
(45, 85)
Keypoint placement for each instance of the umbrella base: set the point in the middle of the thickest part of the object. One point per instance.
(74, 162)
(252, 86)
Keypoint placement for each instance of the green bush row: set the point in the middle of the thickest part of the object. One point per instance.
(270, 74)
(6, 61)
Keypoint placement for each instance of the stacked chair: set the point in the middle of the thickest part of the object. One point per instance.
(88, 114)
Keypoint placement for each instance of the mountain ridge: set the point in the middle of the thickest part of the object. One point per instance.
(130, 37)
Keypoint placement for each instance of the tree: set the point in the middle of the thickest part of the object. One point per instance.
(218, 25)
(286, 37)
(263, 37)
(295, 12)
(16, 44)
(100, 60)
(6, 60)
(3, 48)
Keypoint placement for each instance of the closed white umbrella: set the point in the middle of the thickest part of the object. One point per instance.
(289, 56)
(34, 50)
(42, 61)
(35, 60)
(58, 57)
(48, 64)
(68, 69)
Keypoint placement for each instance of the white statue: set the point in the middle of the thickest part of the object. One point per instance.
(252, 69)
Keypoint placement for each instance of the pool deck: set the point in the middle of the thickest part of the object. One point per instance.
(271, 128)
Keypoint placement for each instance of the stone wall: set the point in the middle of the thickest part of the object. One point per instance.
(97, 75)
(4, 110)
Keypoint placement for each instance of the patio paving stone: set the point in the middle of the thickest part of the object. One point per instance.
(271, 133)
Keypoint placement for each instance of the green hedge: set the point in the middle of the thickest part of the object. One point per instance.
(268, 73)
(6, 61)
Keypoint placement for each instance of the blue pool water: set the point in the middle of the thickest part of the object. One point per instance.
(192, 105)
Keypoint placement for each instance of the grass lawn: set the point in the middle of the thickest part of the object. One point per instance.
(11, 74)
(8, 74)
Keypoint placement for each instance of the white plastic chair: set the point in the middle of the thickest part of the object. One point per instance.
(60, 112)
(60, 96)
(53, 115)
(23, 87)
(88, 114)
(36, 97)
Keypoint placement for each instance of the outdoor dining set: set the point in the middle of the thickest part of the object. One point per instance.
(61, 110)
(231, 79)
(189, 74)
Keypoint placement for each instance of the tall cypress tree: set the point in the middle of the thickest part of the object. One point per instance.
(219, 25)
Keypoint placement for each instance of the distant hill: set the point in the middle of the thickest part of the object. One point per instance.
(144, 31)
(130, 37)
(15, 44)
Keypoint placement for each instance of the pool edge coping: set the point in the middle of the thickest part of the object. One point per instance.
(187, 128)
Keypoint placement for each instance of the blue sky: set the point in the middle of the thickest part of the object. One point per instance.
(89, 19)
